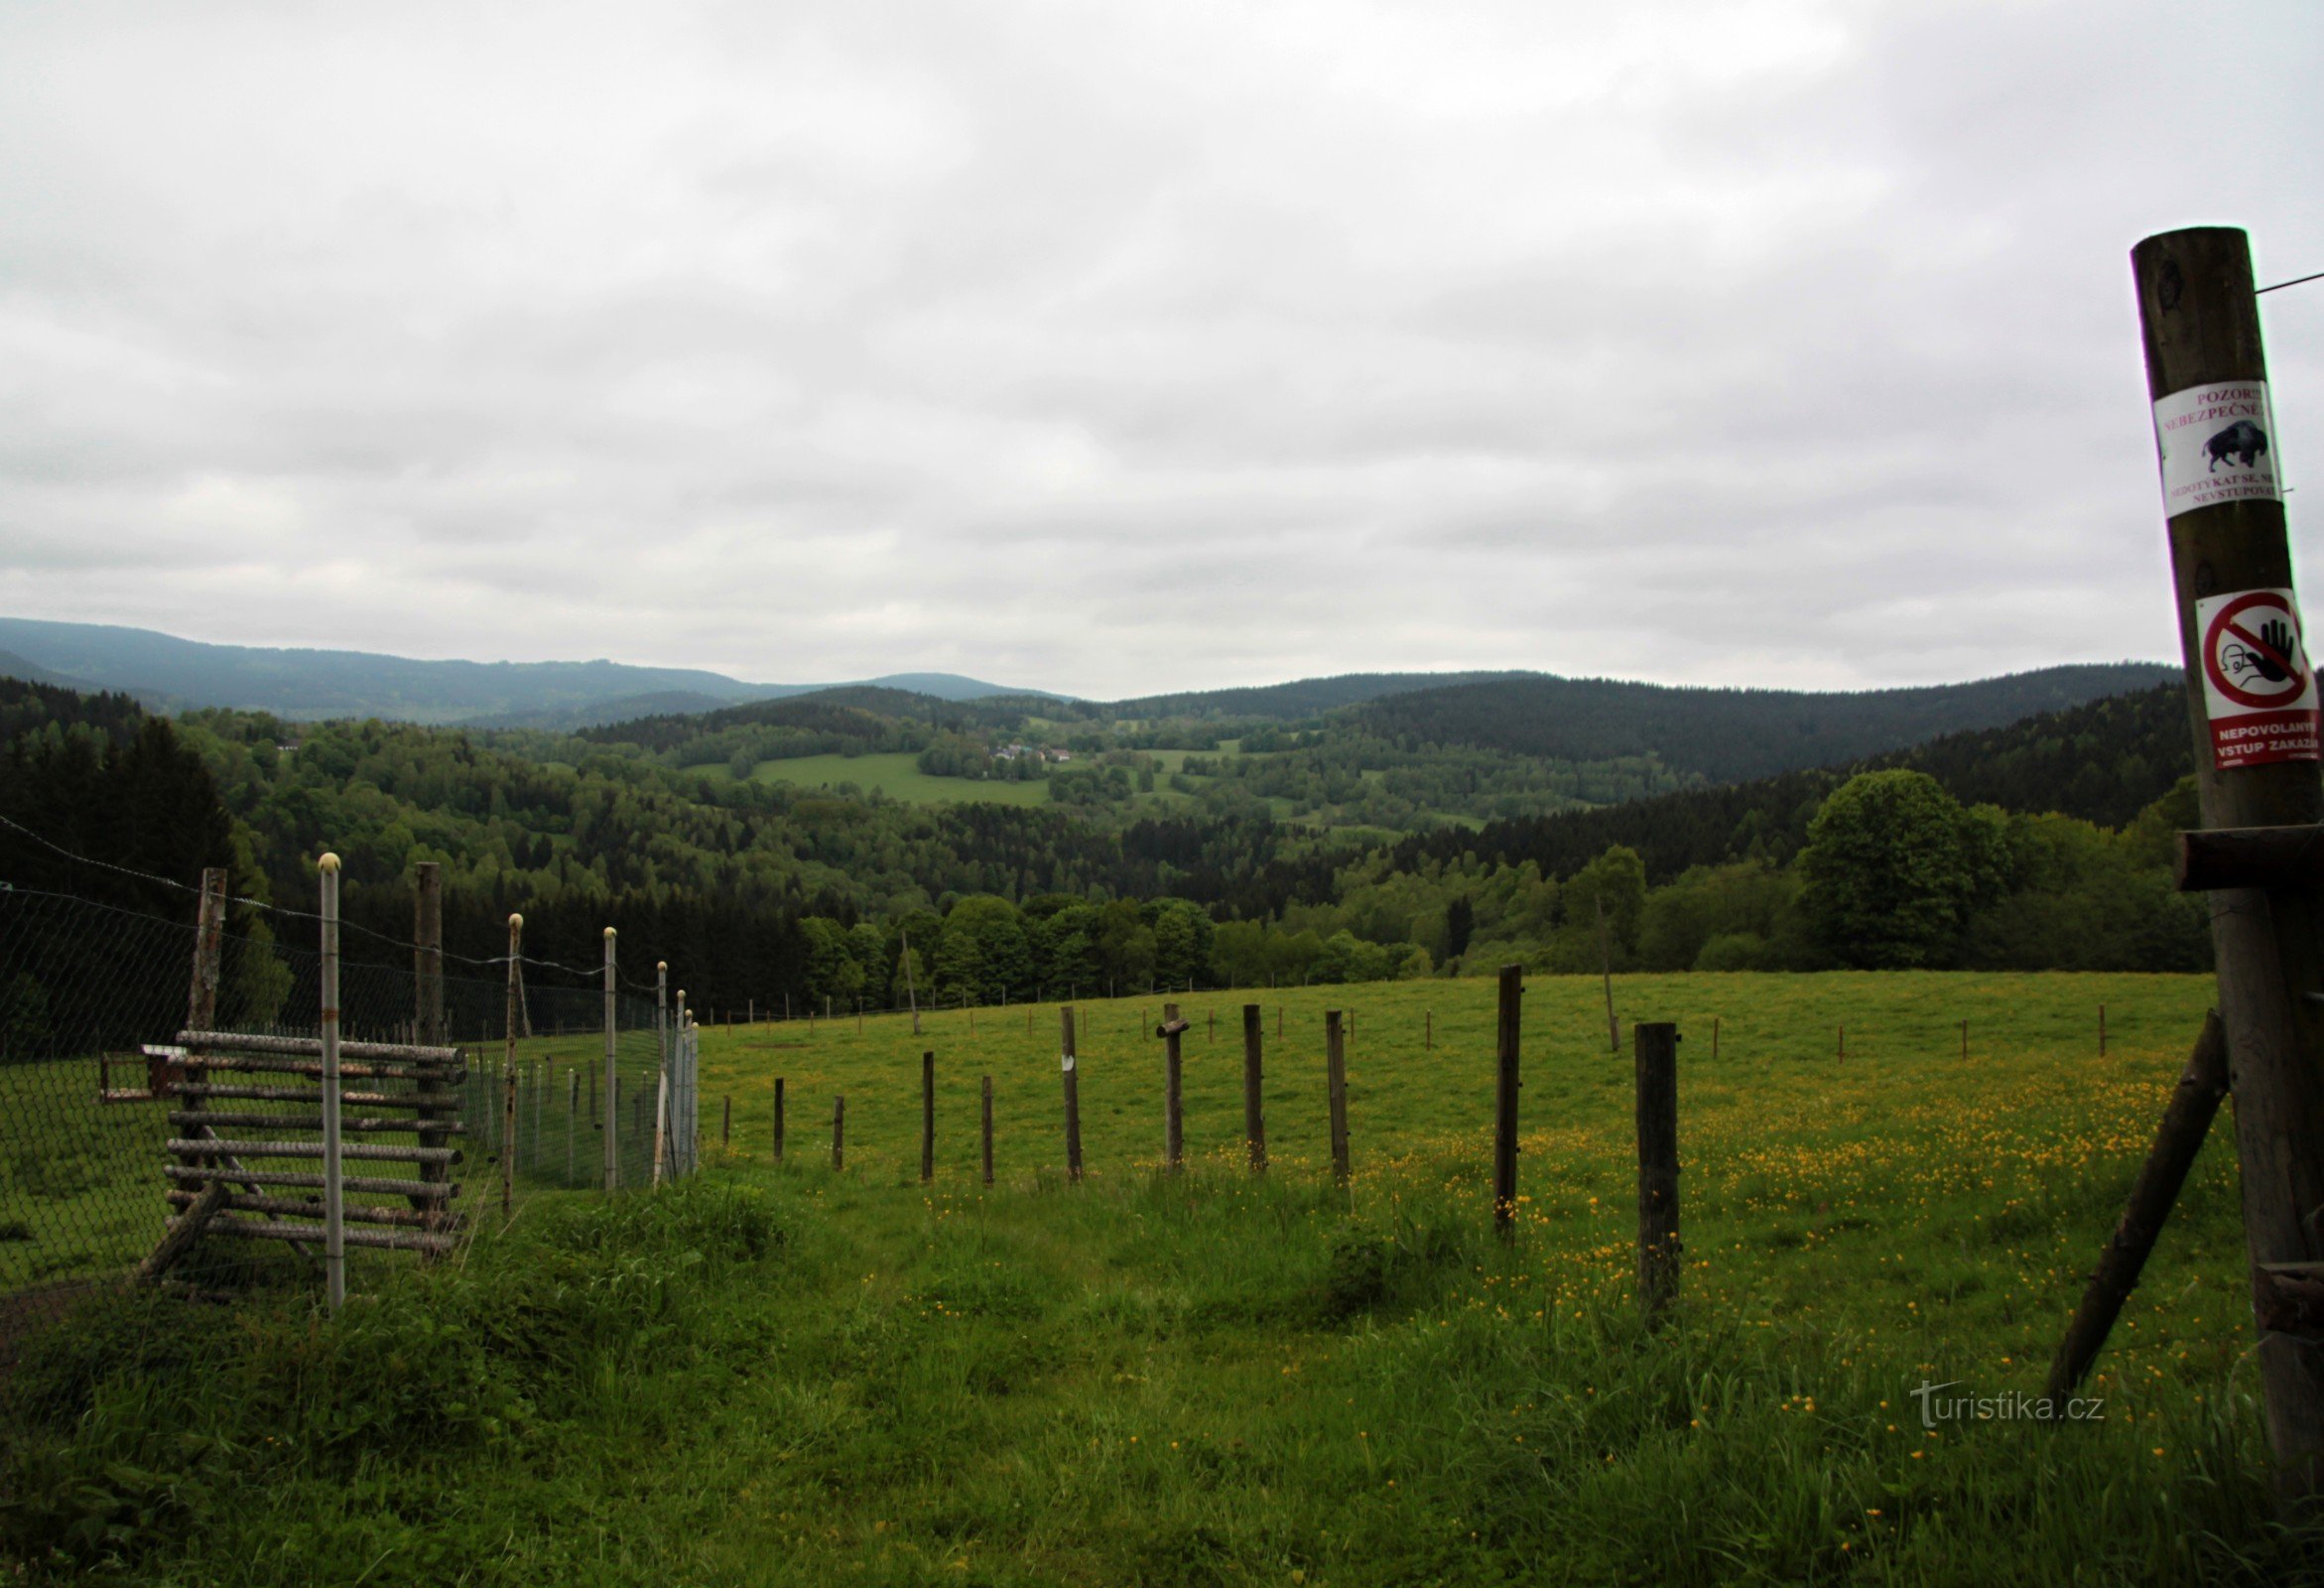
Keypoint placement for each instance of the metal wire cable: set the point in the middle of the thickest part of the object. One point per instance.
(590, 973)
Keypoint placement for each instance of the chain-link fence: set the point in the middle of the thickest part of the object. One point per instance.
(92, 1001)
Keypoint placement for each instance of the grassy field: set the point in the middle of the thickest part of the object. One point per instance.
(782, 1374)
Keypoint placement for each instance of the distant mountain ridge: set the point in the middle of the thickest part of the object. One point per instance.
(171, 674)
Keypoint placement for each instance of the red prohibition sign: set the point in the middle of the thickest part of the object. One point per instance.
(2224, 626)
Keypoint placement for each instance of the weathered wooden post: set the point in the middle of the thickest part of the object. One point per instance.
(2102, 1031)
(927, 1118)
(1427, 1031)
(440, 1109)
(2253, 705)
(778, 1118)
(910, 990)
(665, 1051)
(726, 1123)
(988, 1129)
(334, 1231)
(1505, 1111)
(839, 1132)
(428, 953)
(1965, 1039)
(1172, 1115)
(513, 1021)
(1656, 1043)
(1335, 1094)
(612, 1077)
(1068, 1065)
(1255, 1117)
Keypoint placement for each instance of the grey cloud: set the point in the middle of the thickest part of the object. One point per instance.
(1129, 348)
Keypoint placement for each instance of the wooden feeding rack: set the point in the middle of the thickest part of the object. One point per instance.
(243, 1098)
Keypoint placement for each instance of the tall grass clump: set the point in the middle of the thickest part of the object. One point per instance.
(128, 1423)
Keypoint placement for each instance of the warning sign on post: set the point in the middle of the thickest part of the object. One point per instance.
(2259, 690)
(2217, 445)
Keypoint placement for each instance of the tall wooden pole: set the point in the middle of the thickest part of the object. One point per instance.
(1505, 1113)
(778, 1118)
(2206, 373)
(1254, 1115)
(1070, 1066)
(839, 1132)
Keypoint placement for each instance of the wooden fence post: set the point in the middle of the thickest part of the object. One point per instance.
(988, 1100)
(1173, 1113)
(927, 1118)
(1505, 1130)
(1254, 1117)
(778, 1118)
(428, 952)
(839, 1132)
(1614, 1030)
(334, 1247)
(612, 1076)
(2102, 1031)
(1428, 1030)
(726, 1124)
(1335, 1094)
(1069, 1066)
(1656, 1044)
(512, 1023)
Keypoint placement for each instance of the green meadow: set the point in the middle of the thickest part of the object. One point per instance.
(787, 1373)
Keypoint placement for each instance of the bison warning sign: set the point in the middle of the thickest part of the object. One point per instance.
(2259, 690)
(2216, 443)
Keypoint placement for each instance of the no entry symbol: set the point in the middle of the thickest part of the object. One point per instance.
(2259, 690)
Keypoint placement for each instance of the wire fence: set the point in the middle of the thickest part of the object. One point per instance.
(89, 991)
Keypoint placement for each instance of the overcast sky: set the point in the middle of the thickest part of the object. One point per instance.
(1110, 346)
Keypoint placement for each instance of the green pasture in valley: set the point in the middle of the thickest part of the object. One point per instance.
(782, 1374)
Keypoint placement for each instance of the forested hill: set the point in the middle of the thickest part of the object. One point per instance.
(2103, 761)
(1724, 735)
(850, 719)
(1306, 696)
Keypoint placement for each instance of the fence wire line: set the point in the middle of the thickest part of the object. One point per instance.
(86, 985)
(308, 915)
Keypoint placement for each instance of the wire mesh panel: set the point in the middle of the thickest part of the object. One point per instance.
(94, 999)
(555, 1121)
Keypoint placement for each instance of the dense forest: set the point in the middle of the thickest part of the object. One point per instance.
(1726, 733)
(2037, 844)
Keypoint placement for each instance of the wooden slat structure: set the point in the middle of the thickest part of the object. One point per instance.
(407, 1090)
